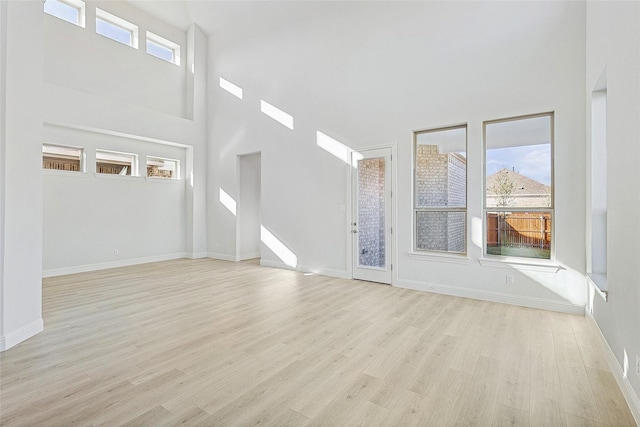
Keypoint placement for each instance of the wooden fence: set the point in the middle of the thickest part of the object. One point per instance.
(519, 229)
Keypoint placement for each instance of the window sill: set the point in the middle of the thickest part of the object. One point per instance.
(519, 264)
(599, 283)
(63, 173)
(114, 176)
(155, 179)
(440, 257)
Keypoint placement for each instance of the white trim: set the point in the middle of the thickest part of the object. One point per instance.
(70, 174)
(250, 255)
(223, 257)
(625, 386)
(119, 23)
(275, 264)
(21, 334)
(440, 257)
(52, 272)
(479, 294)
(324, 272)
(165, 43)
(197, 255)
(116, 133)
(543, 267)
(599, 283)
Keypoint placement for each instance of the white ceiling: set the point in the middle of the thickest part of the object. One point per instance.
(212, 16)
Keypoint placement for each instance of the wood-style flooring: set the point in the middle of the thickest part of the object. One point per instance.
(214, 343)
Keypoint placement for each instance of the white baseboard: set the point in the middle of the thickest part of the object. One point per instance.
(223, 257)
(324, 272)
(21, 334)
(196, 255)
(252, 255)
(531, 302)
(112, 264)
(629, 394)
(276, 264)
(305, 269)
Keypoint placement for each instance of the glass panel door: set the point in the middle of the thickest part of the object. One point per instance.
(372, 216)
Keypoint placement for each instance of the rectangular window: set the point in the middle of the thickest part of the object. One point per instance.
(114, 163)
(162, 168)
(519, 186)
(440, 190)
(163, 48)
(58, 157)
(68, 10)
(117, 29)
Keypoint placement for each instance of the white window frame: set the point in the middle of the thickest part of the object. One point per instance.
(132, 156)
(81, 157)
(167, 44)
(120, 23)
(550, 209)
(417, 209)
(177, 171)
(75, 4)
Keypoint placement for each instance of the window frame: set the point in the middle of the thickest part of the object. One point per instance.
(177, 171)
(120, 23)
(134, 162)
(78, 5)
(82, 158)
(550, 209)
(417, 209)
(165, 43)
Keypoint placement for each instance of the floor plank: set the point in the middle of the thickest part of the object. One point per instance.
(207, 342)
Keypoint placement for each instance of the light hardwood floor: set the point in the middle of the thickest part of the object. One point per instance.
(205, 342)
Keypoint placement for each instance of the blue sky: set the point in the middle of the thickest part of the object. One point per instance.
(532, 161)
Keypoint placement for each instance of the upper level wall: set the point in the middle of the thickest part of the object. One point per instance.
(371, 73)
(79, 58)
(613, 43)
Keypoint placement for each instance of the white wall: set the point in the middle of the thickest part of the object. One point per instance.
(92, 103)
(248, 211)
(147, 106)
(369, 74)
(613, 41)
(87, 216)
(21, 310)
(113, 69)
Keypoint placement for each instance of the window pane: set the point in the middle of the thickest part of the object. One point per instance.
(159, 51)
(115, 163)
(63, 11)
(521, 234)
(61, 158)
(371, 219)
(441, 231)
(518, 163)
(114, 32)
(162, 168)
(441, 168)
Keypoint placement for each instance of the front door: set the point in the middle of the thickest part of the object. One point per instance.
(371, 223)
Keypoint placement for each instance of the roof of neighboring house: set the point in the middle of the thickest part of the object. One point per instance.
(523, 185)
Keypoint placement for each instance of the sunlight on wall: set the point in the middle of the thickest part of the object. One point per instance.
(276, 114)
(228, 201)
(625, 364)
(278, 248)
(332, 146)
(231, 88)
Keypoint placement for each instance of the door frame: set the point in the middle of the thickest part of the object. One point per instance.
(350, 211)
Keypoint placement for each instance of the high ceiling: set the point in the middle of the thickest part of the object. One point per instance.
(212, 16)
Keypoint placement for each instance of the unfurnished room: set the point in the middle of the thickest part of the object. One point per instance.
(291, 213)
